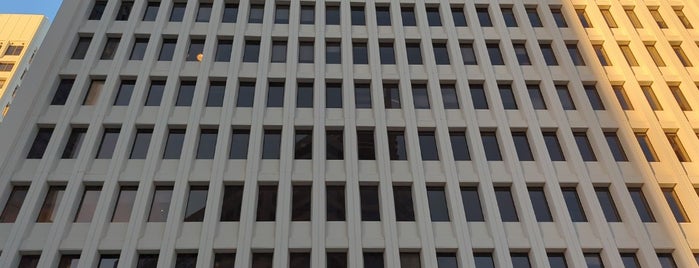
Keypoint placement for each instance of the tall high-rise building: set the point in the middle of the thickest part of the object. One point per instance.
(20, 37)
(404, 133)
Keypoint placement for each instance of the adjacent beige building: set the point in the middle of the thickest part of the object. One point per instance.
(20, 37)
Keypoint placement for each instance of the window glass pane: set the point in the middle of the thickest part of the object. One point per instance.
(391, 95)
(642, 207)
(216, 93)
(575, 55)
(478, 97)
(495, 54)
(403, 199)
(506, 205)
(281, 14)
(308, 14)
(257, 13)
(186, 93)
(509, 16)
(575, 209)
(484, 260)
(447, 260)
(534, 17)
(441, 55)
(139, 48)
(306, 52)
(110, 48)
(333, 53)
(410, 260)
(508, 97)
(633, 18)
(51, 203)
(658, 18)
(646, 147)
(124, 94)
(607, 203)
(609, 18)
(565, 97)
(593, 260)
(109, 140)
(332, 15)
(335, 197)
(387, 53)
(421, 99)
(437, 201)
(677, 147)
(559, 18)
(160, 205)
(230, 13)
(458, 15)
(124, 10)
(304, 95)
(522, 54)
(630, 260)
(334, 145)
(675, 205)
(68, 261)
(207, 144)
(301, 203)
(396, 145)
(97, 10)
(336, 259)
(679, 97)
(369, 197)
(414, 53)
(628, 54)
(623, 99)
(468, 55)
(262, 260)
(685, 21)
(204, 12)
(383, 16)
(428, 146)
(246, 94)
(173, 145)
(41, 141)
(549, 55)
(449, 97)
(584, 146)
(93, 93)
(239, 144)
(196, 203)
(14, 204)
(333, 95)
(365, 145)
(252, 51)
(357, 17)
(520, 260)
(615, 146)
(362, 96)
(593, 96)
(536, 97)
(271, 144)
(151, 11)
(584, 20)
(186, 260)
(433, 18)
(299, 260)
(124, 204)
(279, 51)
(303, 144)
(177, 12)
(108, 261)
(524, 151)
(459, 146)
(75, 140)
(232, 200)
(360, 53)
(472, 203)
(484, 17)
(275, 95)
(62, 92)
(557, 260)
(601, 55)
(408, 16)
(267, 203)
(155, 93)
(491, 146)
(373, 260)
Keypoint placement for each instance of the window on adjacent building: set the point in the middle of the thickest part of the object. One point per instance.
(334, 145)
(642, 207)
(275, 95)
(6, 66)
(301, 203)
(281, 14)
(658, 18)
(246, 94)
(332, 15)
(421, 98)
(468, 54)
(383, 16)
(239, 144)
(177, 13)
(575, 55)
(484, 17)
(139, 49)
(124, 203)
(677, 147)
(278, 51)
(360, 53)
(41, 141)
(522, 54)
(403, 200)
(457, 13)
(478, 97)
(506, 204)
(266, 203)
(414, 53)
(428, 145)
(472, 203)
(160, 205)
(623, 99)
(565, 97)
(230, 13)
(167, 49)
(584, 146)
(308, 13)
(14, 204)
(306, 52)
(155, 93)
(607, 202)
(369, 197)
(74, 143)
(232, 200)
(335, 205)
(173, 145)
(509, 16)
(508, 97)
(584, 20)
(51, 203)
(437, 201)
(396, 145)
(534, 18)
(524, 150)
(559, 18)
(151, 11)
(491, 146)
(97, 10)
(124, 10)
(459, 146)
(81, 48)
(252, 51)
(494, 54)
(271, 145)
(303, 144)
(365, 145)
(257, 13)
(408, 16)
(679, 97)
(537, 98)
(601, 55)
(391, 96)
(553, 146)
(108, 143)
(575, 209)
(615, 146)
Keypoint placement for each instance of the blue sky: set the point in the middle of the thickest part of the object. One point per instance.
(44, 7)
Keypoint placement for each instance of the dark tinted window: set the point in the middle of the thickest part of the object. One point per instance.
(308, 14)
(239, 144)
(41, 141)
(387, 53)
(607, 203)
(107, 261)
(396, 145)
(428, 145)
(570, 195)
(441, 54)
(536, 97)
(553, 146)
(155, 93)
(458, 16)
(333, 95)
(593, 260)
(484, 260)
(306, 52)
(520, 260)
(642, 207)
(437, 200)
(403, 199)
(271, 144)
(333, 53)
(540, 204)
(252, 51)
(369, 197)
(468, 54)
(232, 200)
(51, 203)
(593, 96)
(410, 260)
(506, 205)
(459, 146)
(257, 13)
(584, 146)
(204, 13)
(196, 203)
(491, 146)
(186, 260)
(332, 15)
(484, 17)
(408, 16)
(177, 12)
(357, 15)
(68, 261)
(151, 11)
(304, 95)
(508, 97)
(279, 51)
(414, 53)
(207, 144)
(62, 92)
(123, 96)
(124, 204)
(216, 93)
(646, 147)
(281, 14)
(336, 259)
(75, 141)
(615, 146)
(267, 203)
(246, 94)
(522, 54)
(480, 101)
(365, 145)
(109, 140)
(549, 55)
(472, 203)
(230, 13)
(301, 203)
(557, 260)
(675, 205)
(275, 95)
(433, 18)
(335, 197)
(421, 99)
(524, 151)
(223, 50)
(666, 260)
(224, 260)
(124, 10)
(373, 260)
(447, 260)
(383, 16)
(299, 260)
(534, 17)
(303, 144)
(110, 48)
(630, 260)
(161, 204)
(677, 147)
(167, 49)
(495, 54)
(97, 10)
(334, 145)
(362, 96)
(262, 260)
(559, 18)
(509, 16)
(186, 93)
(139, 48)
(575, 55)
(360, 53)
(173, 145)
(14, 204)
